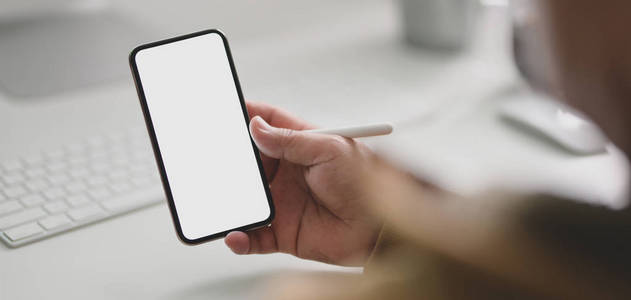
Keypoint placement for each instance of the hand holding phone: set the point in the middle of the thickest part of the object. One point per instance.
(318, 182)
(212, 173)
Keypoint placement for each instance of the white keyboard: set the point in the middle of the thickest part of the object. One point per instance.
(55, 191)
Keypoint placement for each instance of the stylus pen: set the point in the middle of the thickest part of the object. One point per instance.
(357, 131)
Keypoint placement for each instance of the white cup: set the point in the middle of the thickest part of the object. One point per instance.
(440, 24)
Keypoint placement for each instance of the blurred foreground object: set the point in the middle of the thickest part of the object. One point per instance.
(531, 48)
(494, 246)
(560, 124)
(506, 246)
(557, 122)
(592, 53)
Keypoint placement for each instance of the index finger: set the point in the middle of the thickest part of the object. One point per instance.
(276, 117)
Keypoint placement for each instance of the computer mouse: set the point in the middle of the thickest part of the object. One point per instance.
(558, 122)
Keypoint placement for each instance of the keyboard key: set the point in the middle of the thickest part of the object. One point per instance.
(15, 191)
(86, 212)
(119, 175)
(97, 180)
(56, 166)
(121, 187)
(55, 154)
(96, 142)
(54, 193)
(24, 231)
(98, 155)
(79, 172)
(54, 222)
(141, 170)
(58, 178)
(99, 193)
(120, 151)
(56, 207)
(75, 149)
(121, 161)
(101, 167)
(34, 159)
(12, 178)
(36, 185)
(77, 160)
(76, 187)
(78, 200)
(32, 200)
(138, 132)
(117, 136)
(145, 158)
(11, 165)
(133, 200)
(9, 207)
(21, 217)
(141, 181)
(145, 154)
(35, 172)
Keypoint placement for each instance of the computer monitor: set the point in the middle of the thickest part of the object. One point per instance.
(49, 47)
(20, 9)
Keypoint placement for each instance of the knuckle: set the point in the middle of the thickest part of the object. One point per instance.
(339, 145)
(287, 137)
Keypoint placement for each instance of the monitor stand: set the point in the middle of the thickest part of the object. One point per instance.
(49, 54)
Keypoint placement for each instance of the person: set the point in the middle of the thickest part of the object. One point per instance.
(338, 203)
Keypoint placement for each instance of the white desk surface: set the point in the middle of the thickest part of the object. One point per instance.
(331, 62)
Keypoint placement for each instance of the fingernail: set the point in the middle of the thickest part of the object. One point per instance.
(264, 126)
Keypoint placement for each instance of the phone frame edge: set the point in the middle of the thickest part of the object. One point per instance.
(156, 148)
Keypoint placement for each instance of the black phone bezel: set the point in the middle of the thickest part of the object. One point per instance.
(156, 147)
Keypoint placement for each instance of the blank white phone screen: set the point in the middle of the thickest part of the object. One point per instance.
(202, 135)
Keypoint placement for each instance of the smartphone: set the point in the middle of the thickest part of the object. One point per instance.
(197, 120)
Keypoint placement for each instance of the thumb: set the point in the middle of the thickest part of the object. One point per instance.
(299, 147)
